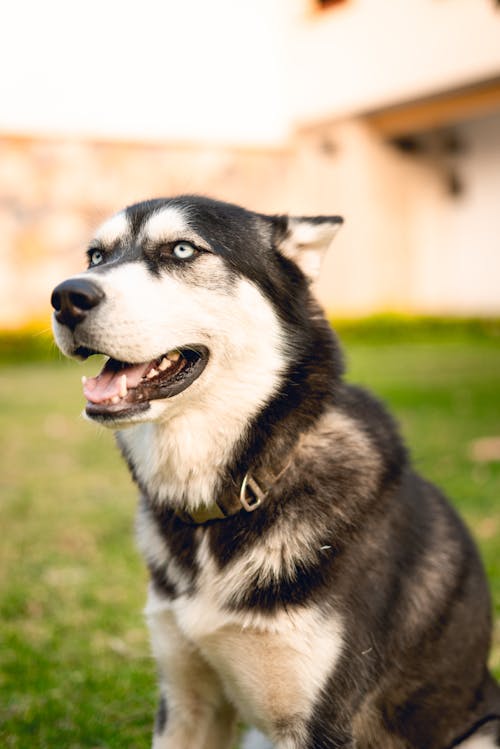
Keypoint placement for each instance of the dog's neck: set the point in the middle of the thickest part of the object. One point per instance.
(182, 461)
(183, 458)
(243, 423)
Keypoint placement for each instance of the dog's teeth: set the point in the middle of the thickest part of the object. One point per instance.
(115, 399)
(152, 373)
(123, 386)
(84, 380)
(173, 356)
(164, 364)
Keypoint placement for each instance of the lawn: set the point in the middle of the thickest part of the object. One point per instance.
(75, 669)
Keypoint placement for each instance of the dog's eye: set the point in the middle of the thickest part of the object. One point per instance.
(183, 250)
(96, 257)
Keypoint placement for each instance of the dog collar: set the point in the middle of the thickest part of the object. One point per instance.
(251, 496)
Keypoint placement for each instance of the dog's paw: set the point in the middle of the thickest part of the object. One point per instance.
(255, 740)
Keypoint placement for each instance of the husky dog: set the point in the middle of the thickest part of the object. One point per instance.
(303, 577)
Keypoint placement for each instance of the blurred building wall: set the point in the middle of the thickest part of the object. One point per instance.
(278, 106)
(407, 245)
(456, 238)
(55, 192)
(359, 55)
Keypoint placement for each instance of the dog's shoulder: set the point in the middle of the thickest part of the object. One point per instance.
(354, 451)
(373, 418)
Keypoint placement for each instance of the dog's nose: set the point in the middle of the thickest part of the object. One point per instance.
(73, 298)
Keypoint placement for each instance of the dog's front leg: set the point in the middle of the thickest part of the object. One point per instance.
(188, 721)
(276, 681)
(193, 711)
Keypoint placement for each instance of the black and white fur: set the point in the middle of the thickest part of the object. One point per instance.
(350, 609)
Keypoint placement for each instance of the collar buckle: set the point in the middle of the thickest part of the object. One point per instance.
(251, 503)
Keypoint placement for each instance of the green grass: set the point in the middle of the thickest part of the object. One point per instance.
(75, 669)
(75, 666)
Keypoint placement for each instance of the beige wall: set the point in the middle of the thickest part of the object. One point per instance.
(410, 245)
(54, 193)
(368, 54)
(456, 241)
(407, 245)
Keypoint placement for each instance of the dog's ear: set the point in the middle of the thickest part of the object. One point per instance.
(305, 239)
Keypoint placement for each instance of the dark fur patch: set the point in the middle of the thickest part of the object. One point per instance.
(161, 716)
(307, 584)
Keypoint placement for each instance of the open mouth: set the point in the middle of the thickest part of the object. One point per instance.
(122, 389)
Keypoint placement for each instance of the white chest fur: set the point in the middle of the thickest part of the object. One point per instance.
(271, 667)
(272, 671)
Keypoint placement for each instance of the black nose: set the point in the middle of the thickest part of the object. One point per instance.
(73, 298)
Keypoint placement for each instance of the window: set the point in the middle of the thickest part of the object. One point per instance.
(331, 3)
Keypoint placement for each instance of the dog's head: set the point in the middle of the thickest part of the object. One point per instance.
(181, 294)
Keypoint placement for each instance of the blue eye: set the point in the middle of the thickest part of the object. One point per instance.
(183, 250)
(96, 257)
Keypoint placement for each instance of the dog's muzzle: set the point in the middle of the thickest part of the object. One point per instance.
(123, 389)
(73, 299)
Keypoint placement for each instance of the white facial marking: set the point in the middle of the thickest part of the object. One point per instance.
(169, 224)
(116, 227)
(182, 454)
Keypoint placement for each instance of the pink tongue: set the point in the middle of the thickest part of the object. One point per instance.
(108, 383)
